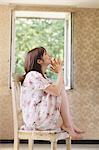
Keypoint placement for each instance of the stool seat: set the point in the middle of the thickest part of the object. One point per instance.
(43, 135)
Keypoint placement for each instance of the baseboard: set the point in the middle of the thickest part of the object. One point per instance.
(47, 142)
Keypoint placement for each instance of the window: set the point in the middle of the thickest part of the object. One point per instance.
(51, 30)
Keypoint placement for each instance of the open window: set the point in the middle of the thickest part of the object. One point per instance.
(51, 30)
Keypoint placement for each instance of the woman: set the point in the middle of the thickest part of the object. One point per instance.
(45, 105)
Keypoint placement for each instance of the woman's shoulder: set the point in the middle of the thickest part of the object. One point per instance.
(34, 74)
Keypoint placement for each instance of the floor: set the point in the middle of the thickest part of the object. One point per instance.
(47, 147)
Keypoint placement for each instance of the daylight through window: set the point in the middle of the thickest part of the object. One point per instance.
(48, 29)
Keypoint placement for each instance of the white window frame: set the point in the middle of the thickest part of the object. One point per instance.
(67, 40)
(68, 55)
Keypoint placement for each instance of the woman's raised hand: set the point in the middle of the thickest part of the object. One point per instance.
(56, 65)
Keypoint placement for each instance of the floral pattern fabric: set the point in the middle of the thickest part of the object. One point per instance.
(40, 110)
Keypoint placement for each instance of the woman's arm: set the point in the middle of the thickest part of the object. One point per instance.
(56, 87)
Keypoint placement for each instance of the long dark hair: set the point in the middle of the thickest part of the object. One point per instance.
(30, 63)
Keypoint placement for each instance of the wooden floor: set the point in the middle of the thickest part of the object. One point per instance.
(47, 147)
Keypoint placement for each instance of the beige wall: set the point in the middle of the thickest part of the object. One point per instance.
(84, 98)
(5, 93)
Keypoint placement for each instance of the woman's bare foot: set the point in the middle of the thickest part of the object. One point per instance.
(78, 130)
(74, 135)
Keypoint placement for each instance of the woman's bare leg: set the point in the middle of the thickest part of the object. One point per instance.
(65, 111)
(66, 117)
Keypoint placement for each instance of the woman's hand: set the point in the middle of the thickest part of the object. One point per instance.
(56, 65)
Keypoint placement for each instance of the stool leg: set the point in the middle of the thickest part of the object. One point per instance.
(53, 145)
(16, 143)
(68, 143)
(30, 144)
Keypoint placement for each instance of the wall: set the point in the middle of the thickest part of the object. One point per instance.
(84, 98)
(5, 93)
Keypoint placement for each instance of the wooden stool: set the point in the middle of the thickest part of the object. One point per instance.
(51, 136)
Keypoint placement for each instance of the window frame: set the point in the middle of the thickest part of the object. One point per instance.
(68, 56)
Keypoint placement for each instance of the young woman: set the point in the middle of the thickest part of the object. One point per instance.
(45, 105)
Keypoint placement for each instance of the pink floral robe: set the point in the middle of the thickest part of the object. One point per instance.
(40, 110)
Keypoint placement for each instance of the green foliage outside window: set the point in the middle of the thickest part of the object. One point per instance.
(31, 33)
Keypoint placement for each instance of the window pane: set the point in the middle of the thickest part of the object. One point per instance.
(31, 33)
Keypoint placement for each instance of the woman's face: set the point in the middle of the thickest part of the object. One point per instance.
(46, 58)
